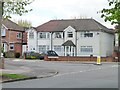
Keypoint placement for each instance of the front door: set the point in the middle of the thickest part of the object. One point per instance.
(69, 51)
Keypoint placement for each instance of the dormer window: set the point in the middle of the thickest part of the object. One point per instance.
(70, 34)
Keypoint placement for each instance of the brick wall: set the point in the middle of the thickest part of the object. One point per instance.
(18, 48)
(70, 58)
(11, 37)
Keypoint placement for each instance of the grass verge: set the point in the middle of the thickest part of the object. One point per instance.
(12, 76)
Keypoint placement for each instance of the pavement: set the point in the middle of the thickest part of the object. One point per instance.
(32, 73)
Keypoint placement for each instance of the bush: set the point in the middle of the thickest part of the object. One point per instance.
(9, 54)
(17, 55)
(32, 55)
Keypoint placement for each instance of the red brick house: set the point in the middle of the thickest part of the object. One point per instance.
(12, 36)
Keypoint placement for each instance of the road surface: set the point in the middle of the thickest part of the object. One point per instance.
(71, 75)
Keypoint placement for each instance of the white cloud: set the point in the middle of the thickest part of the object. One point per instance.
(45, 10)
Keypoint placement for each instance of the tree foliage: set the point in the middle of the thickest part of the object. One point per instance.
(15, 7)
(24, 23)
(112, 14)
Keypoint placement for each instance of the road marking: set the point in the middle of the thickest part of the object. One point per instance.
(115, 66)
(100, 68)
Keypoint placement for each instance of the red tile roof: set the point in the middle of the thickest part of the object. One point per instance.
(78, 24)
(48, 27)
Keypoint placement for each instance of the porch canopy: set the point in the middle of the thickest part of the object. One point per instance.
(69, 43)
(69, 48)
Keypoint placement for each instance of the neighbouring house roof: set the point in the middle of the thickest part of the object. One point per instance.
(11, 25)
(77, 24)
(68, 43)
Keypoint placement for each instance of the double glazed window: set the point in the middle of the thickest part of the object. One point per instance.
(43, 48)
(11, 47)
(19, 35)
(3, 31)
(58, 35)
(86, 49)
(86, 34)
(43, 35)
(58, 48)
(31, 35)
(70, 34)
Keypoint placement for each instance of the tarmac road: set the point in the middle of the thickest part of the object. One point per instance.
(71, 75)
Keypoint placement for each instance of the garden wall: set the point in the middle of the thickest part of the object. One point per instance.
(77, 58)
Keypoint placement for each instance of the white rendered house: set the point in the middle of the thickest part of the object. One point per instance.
(73, 37)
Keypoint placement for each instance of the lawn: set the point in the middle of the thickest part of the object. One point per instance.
(12, 76)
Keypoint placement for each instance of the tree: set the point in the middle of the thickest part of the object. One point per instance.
(9, 7)
(24, 23)
(15, 7)
(113, 15)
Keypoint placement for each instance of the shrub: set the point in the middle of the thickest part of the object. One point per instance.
(32, 55)
(17, 55)
(9, 54)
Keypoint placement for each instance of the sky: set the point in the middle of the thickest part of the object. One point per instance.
(46, 10)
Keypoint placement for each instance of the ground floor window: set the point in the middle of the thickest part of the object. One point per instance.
(43, 48)
(57, 48)
(88, 49)
(11, 47)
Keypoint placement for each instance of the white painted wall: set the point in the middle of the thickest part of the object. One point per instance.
(88, 41)
(24, 49)
(5, 47)
(32, 43)
(101, 42)
(107, 44)
(69, 29)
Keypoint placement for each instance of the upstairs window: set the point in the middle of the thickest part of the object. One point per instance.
(43, 35)
(86, 34)
(19, 35)
(3, 31)
(70, 34)
(58, 35)
(31, 35)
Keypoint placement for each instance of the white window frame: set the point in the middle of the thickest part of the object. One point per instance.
(31, 35)
(57, 48)
(86, 49)
(19, 35)
(3, 31)
(86, 34)
(43, 48)
(11, 44)
(70, 34)
(58, 35)
(43, 35)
